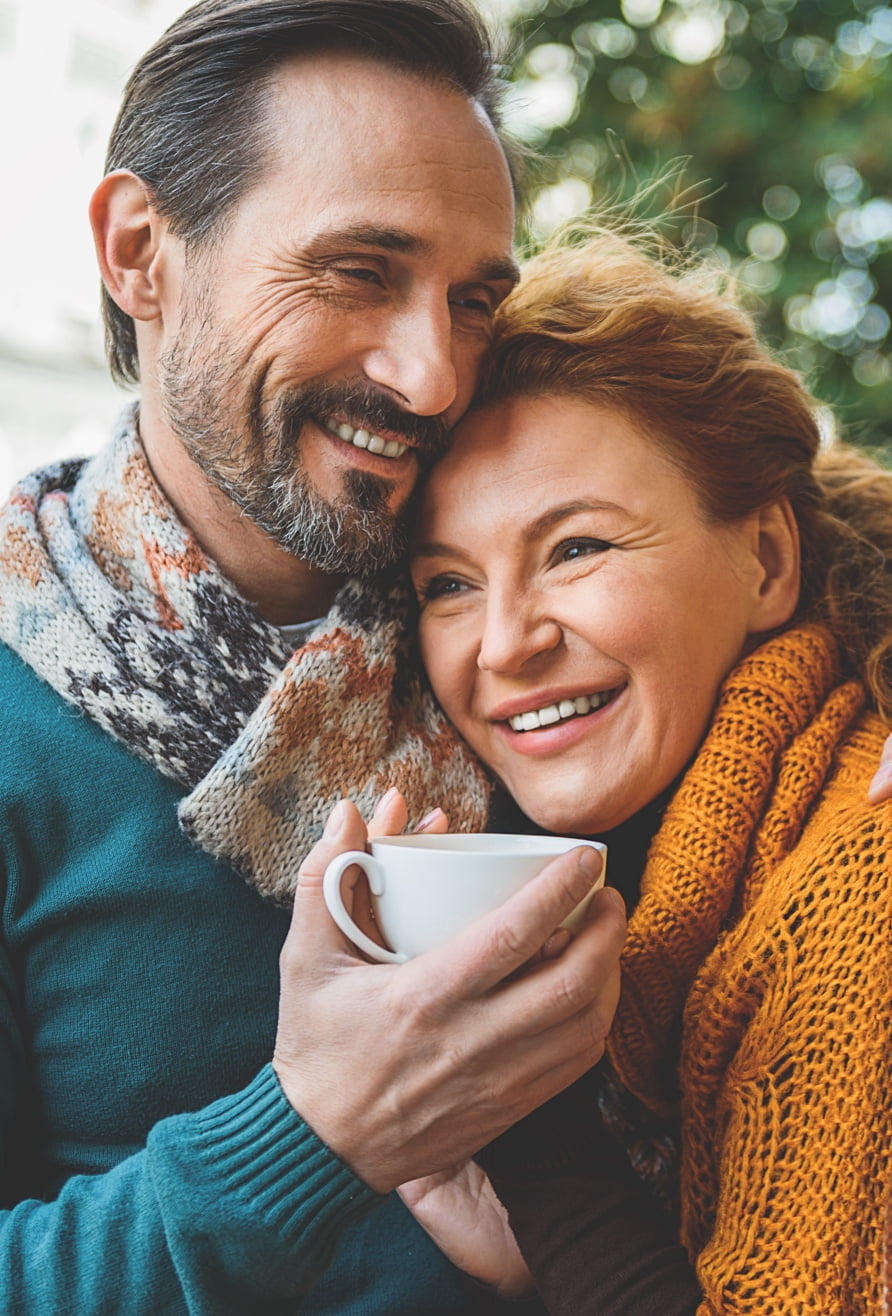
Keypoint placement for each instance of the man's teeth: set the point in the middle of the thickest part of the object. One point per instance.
(365, 439)
(552, 713)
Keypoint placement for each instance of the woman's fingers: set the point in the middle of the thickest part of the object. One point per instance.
(389, 819)
(881, 787)
(390, 816)
(433, 823)
(461, 1212)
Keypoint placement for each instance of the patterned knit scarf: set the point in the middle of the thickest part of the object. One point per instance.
(107, 596)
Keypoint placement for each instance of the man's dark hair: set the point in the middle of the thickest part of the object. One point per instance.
(192, 123)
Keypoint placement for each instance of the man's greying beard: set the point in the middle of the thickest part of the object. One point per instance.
(258, 466)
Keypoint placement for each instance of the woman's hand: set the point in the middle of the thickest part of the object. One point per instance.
(881, 787)
(460, 1211)
(390, 817)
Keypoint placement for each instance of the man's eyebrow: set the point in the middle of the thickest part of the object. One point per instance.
(368, 235)
(501, 269)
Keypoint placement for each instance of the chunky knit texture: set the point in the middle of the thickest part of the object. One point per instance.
(757, 991)
(110, 599)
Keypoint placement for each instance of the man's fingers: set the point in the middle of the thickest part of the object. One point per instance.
(580, 989)
(497, 944)
(588, 971)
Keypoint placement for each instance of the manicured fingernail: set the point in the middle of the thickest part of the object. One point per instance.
(387, 798)
(335, 820)
(556, 944)
(881, 782)
(429, 819)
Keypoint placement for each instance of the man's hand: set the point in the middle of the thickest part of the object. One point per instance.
(461, 1212)
(881, 787)
(406, 1070)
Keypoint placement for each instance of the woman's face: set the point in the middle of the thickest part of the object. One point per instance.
(578, 612)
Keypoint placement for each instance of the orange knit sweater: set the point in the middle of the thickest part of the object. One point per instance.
(758, 988)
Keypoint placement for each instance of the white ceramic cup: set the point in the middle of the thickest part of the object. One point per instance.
(425, 889)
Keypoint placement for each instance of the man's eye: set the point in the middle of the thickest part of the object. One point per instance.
(571, 550)
(361, 273)
(479, 305)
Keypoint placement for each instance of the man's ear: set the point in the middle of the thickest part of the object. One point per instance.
(778, 551)
(127, 232)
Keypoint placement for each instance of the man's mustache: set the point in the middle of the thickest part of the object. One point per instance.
(365, 408)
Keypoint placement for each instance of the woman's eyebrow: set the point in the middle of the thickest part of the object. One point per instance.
(554, 515)
(541, 524)
(434, 549)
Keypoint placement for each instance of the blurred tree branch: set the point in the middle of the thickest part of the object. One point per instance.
(783, 109)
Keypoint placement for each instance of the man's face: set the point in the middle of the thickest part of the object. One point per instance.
(324, 345)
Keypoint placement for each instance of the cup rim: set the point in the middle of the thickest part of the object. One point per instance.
(486, 843)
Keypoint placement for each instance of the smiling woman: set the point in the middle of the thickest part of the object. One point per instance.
(661, 614)
(579, 612)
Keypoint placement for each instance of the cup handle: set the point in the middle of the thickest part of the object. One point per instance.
(331, 891)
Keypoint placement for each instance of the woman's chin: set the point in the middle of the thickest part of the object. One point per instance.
(563, 821)
(558, 802)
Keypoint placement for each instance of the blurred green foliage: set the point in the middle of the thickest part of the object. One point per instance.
(784, 109)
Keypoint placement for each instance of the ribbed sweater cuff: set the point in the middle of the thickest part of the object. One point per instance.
(261, 1147)
(248, 1190)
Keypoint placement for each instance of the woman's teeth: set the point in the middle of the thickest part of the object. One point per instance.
(365, 439)
(553, 713)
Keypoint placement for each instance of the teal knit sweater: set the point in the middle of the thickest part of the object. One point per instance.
(149, 1162)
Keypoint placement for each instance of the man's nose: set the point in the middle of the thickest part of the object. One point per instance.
(517, 629)
(416, 362)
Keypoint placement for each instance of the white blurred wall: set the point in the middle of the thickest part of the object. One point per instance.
(63, 64)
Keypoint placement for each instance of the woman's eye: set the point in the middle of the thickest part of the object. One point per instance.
(440, 587)
(574, 549)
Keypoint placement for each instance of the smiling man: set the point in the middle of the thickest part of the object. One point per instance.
(304, 365)
(206, 1102)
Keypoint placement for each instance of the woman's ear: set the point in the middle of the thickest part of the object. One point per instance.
(128, 234)
(778, 552)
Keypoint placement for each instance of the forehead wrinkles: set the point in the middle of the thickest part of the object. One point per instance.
(355, 115)
(464, 189)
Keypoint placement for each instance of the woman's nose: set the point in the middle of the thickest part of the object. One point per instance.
(514, 634)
